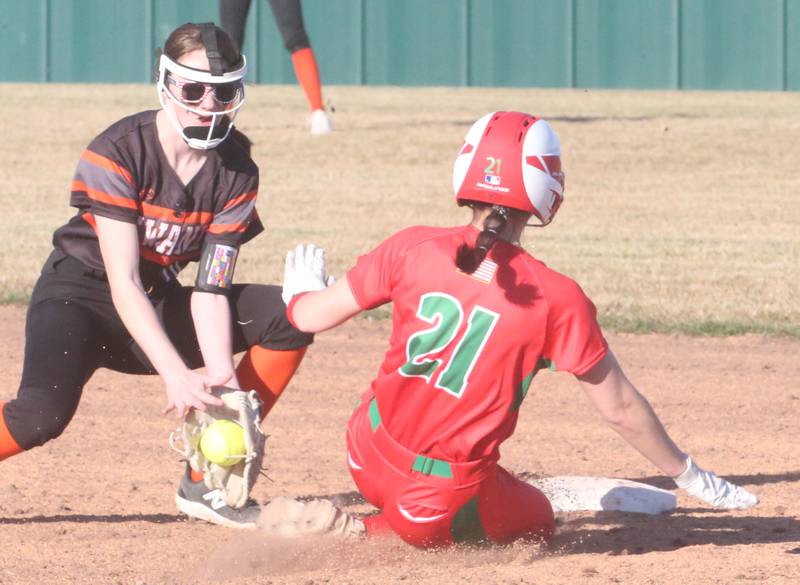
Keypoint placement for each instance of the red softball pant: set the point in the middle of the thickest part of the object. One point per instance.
(479, 501)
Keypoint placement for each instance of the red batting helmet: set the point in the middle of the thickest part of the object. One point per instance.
(511, 159)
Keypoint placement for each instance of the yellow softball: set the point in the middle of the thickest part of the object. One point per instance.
(223, 443)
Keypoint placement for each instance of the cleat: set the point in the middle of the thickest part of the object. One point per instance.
(196, 500)
(319, 123)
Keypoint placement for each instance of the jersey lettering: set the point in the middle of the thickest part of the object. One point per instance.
(446, 315)
(168, 244)
(163, 236)
(154, 230)
(479, 327)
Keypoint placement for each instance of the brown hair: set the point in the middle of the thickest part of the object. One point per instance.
(468, 259)
(189, 37)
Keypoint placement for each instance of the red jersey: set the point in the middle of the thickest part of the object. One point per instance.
(465, 348)
(124, 175)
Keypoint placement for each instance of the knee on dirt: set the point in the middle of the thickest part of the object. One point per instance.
(33, 423)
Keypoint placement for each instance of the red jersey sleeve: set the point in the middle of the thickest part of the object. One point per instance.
(574, 342)
(371, 279)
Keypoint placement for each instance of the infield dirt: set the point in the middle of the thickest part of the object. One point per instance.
(96, 505)
(681, 214)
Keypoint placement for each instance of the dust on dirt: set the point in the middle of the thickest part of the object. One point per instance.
(96, 505)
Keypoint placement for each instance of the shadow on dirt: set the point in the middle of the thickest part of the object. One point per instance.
(620, 533)
(103, 518)
(666, 483)
(343, 499)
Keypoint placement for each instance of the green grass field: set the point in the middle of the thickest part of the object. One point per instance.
(682, 209)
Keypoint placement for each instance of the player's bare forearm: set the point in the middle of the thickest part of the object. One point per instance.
(140, 319)
(321, 310)
(629, 413)
(211, 315)
(119, 245)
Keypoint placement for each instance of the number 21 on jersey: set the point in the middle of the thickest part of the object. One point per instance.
(446, 315)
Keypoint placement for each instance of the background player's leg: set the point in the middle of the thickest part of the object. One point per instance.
(307, 72)
(289, 18)
(509, 508)
(60, 356)
(233, 18)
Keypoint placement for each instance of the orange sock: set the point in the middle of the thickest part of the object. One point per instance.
(8, 446)
(268, 371)
(305, 68)
(195, 476)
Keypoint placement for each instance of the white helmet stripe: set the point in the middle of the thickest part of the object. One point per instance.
(465, 157)
(167, 64)
(543, 190)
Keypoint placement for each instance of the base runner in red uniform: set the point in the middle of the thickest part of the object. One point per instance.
(475, 317)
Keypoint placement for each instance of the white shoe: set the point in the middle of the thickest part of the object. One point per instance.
(318, 123)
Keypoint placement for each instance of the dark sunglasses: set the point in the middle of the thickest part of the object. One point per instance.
(194, 92)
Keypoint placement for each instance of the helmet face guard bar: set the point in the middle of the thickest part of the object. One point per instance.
(202, 137)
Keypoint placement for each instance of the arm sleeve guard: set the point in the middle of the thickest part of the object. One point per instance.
(215, 273)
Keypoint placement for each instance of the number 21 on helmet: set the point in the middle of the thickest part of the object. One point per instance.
(514, 160)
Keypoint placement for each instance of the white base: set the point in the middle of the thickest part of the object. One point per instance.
(578, 494)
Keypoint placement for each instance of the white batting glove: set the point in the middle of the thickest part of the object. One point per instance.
(304, 271)
(720, 493)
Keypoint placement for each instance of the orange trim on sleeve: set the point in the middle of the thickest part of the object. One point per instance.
(227, 228)
(240, 199)
(106, 163)
(103, 197)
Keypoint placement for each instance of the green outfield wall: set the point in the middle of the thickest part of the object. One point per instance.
(648, 44)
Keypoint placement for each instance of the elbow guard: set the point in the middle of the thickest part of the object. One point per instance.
(215, 273)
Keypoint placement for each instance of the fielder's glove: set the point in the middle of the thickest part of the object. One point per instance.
(235, 481)
(304, 271)
(706, 486)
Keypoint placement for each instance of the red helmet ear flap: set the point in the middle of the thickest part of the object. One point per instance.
(511, 159)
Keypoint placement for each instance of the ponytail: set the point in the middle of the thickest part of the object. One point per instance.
(468, 259)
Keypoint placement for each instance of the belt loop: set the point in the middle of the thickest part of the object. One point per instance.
(430, 466)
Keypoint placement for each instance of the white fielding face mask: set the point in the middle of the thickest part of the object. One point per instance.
(192, 86)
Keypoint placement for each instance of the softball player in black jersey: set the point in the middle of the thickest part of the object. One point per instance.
(155, 191)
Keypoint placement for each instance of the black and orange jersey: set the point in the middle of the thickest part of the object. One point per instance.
(124, 175)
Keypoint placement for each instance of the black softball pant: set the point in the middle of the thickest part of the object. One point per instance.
(288, 16)
(72, 329)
